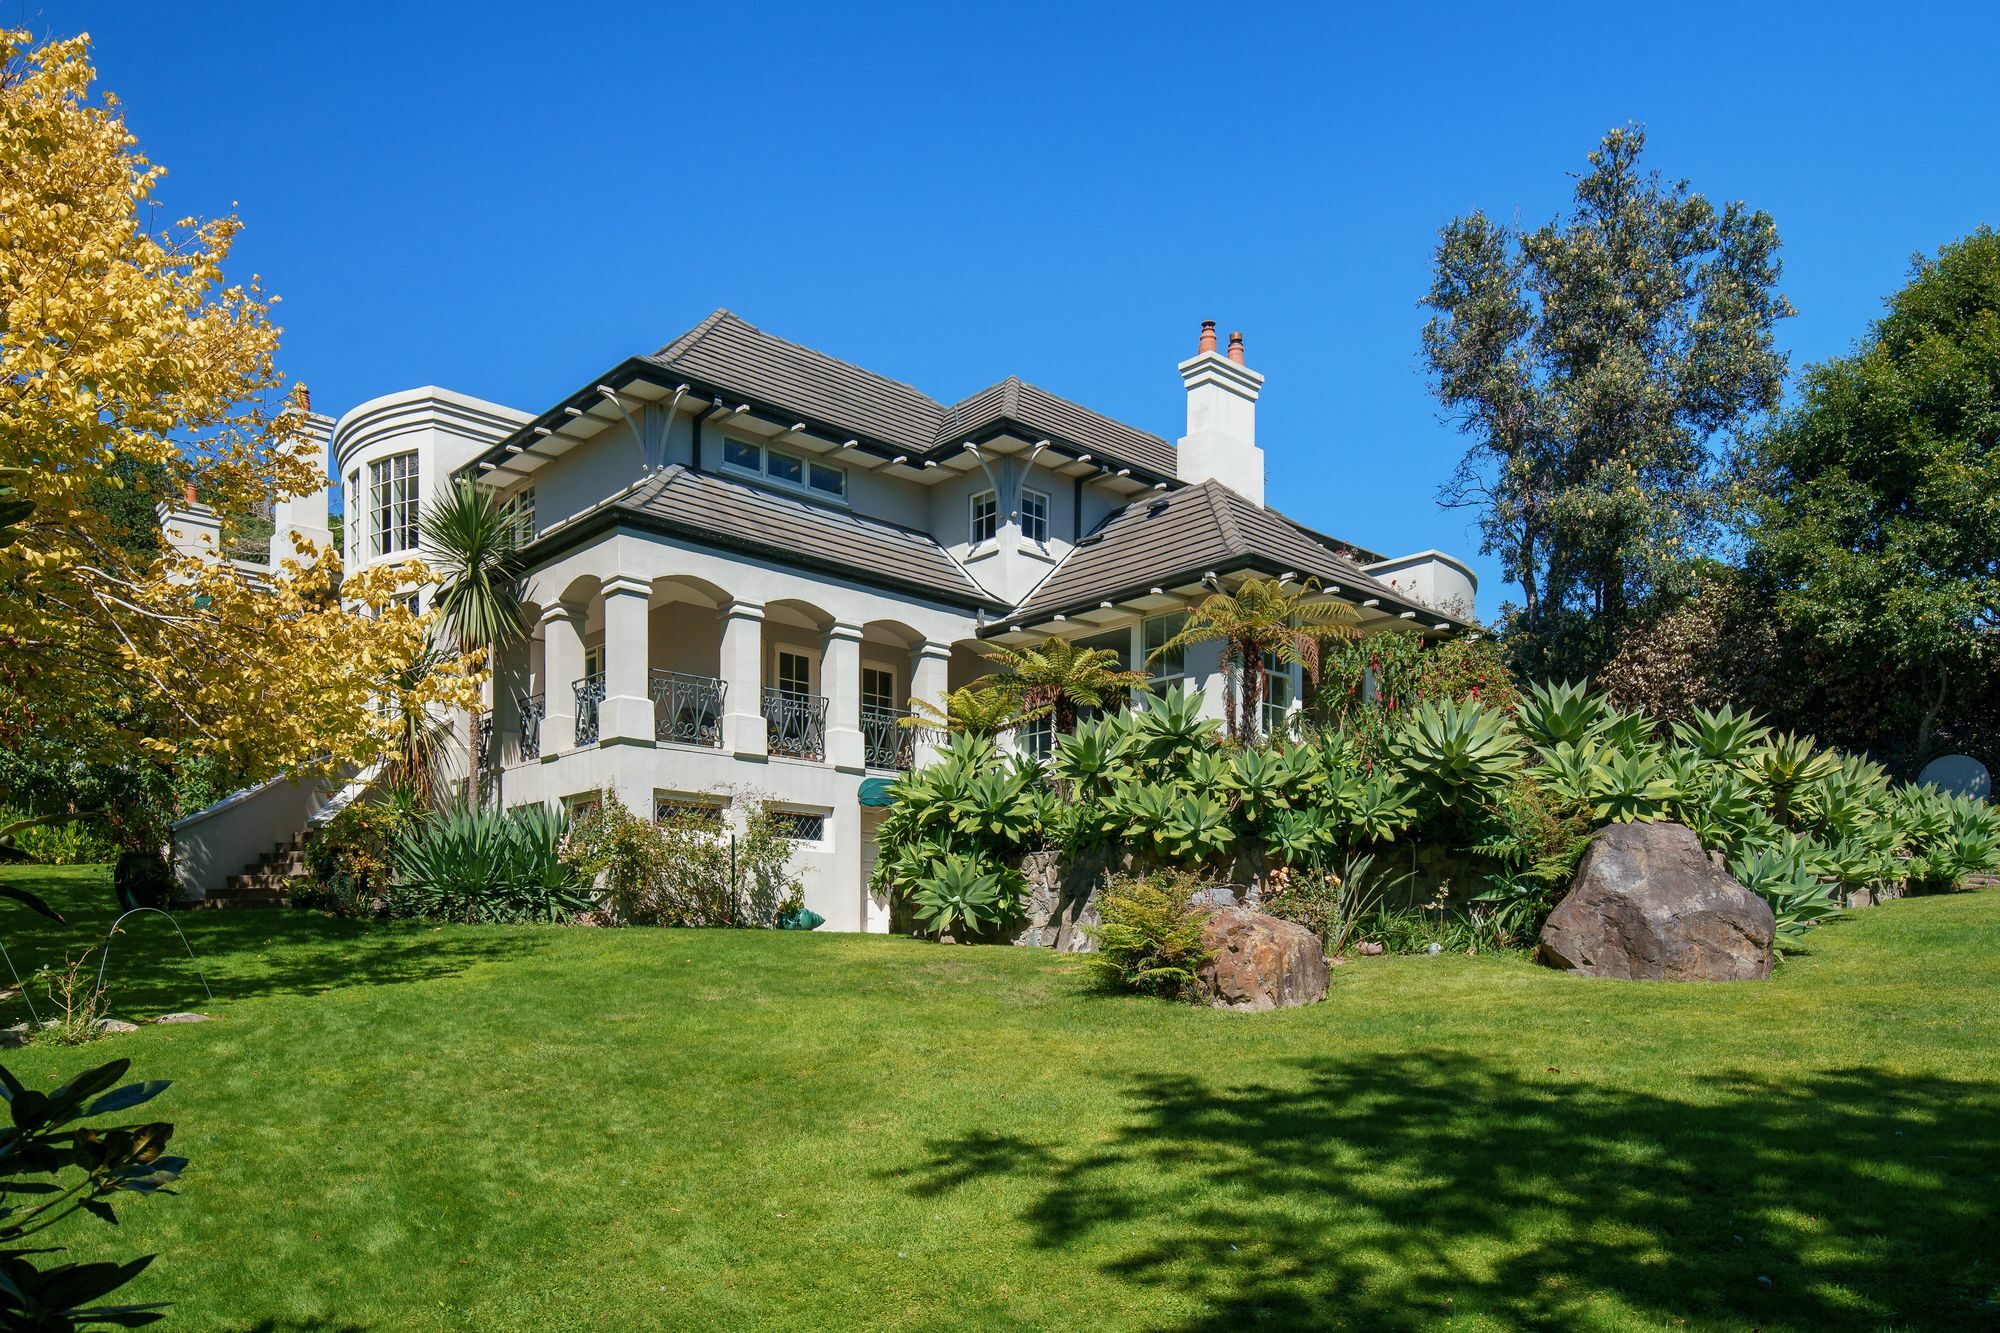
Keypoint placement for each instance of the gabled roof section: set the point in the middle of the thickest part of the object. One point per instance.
(1178, 536)
(718, 511)
(1045, 413)
(726, 352)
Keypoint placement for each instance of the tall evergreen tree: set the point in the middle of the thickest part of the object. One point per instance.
(1592, 361)
(1876, 500)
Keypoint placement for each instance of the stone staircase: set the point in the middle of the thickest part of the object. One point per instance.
(269, 881)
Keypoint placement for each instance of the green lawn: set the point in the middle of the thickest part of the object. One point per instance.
(402, 1127)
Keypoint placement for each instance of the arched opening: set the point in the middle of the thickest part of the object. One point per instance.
(795, 690)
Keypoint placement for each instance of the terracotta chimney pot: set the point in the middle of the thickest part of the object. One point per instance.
(1235, 348)
(187, 492)
(1207, 337)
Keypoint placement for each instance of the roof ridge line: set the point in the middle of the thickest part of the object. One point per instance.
(1225, 520)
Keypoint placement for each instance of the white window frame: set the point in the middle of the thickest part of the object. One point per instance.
(1159, 679)
(808, 467)
(394, 492)
(353, 517)
(522, 504)
(992, 518)
(1274, 717)
(1041, 498)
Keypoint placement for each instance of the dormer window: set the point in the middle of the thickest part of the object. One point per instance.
(784, 468)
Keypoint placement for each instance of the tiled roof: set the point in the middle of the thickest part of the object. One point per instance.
(730, 354)
(1159, 540)
(719, 511)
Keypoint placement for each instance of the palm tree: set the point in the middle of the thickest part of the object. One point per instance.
(971, 710)
(1059, 677)
(420, 759)
(1263, 619)
(474, 541)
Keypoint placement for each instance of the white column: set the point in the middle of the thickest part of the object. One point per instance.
(840, 677)
(627, 715)
(743, 730)
(930, 681)
(562, 666)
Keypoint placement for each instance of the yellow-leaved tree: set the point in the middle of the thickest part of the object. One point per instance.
(125, 352)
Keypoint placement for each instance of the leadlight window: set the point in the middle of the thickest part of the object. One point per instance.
(392, 505)
(799, 826)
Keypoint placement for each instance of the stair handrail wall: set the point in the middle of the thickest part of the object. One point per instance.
(230, 836)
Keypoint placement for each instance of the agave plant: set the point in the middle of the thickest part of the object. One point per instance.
(1634, 786)
(1554, 712)
(1784, 764)
(1457, 752)
(1799, 898)
(1298, 837)
(1724, 736)
(963, 896)
(1169, 727)
(1197, 829)
(1261, 780)
(1095, 756)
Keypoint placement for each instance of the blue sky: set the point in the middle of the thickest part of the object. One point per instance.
(506, 198)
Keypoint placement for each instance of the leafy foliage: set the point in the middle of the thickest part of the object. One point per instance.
(1590, 361)
(88, 1166)
(1149, 938)
(687, 867)
(1872, 496)
(963, 898)
(1059, 677)
(1262, 620)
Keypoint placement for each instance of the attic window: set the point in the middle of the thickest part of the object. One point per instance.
(783, 468)
(1157, 507)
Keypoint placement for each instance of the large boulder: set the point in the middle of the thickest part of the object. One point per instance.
(1648, 904)
(1259, 962)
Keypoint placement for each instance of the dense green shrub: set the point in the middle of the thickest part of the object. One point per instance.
(686, 868)
(473, 864)
(1148, 938)
(59, 842)
(1499, 799)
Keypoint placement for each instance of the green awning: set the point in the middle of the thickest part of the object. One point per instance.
(877, 791)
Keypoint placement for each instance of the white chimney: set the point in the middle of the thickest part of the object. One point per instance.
(1221, 439)
(304, 516)
(191, 527)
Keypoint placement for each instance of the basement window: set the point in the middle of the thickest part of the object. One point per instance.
(799, 826)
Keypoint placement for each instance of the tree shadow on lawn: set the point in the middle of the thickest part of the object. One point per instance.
(1393, 1191)
(242, 953)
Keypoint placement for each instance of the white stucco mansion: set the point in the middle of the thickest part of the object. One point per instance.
(748, 557)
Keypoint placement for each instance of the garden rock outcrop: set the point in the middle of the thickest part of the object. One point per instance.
(1259, 962)
(1648, 904)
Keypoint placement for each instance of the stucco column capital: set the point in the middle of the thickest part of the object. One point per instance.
(627, 585)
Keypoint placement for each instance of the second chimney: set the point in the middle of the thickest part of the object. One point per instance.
(1221, 440)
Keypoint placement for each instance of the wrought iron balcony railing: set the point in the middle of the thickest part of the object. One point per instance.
(589, 694)
(533, 708)
(687, 709)
(885, 741)
(795, 724)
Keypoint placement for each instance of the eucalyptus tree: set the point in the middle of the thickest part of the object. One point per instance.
(1592, 362)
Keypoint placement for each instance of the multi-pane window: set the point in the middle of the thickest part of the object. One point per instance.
(392, 505)
(878, 689)
(521, 505)
(985, 516)
(1034, 516)
(351, 515)
(1169, 668)
(799, 826)
(1037, 739)
(787, 469)
(1277, 694)
(795, 672)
